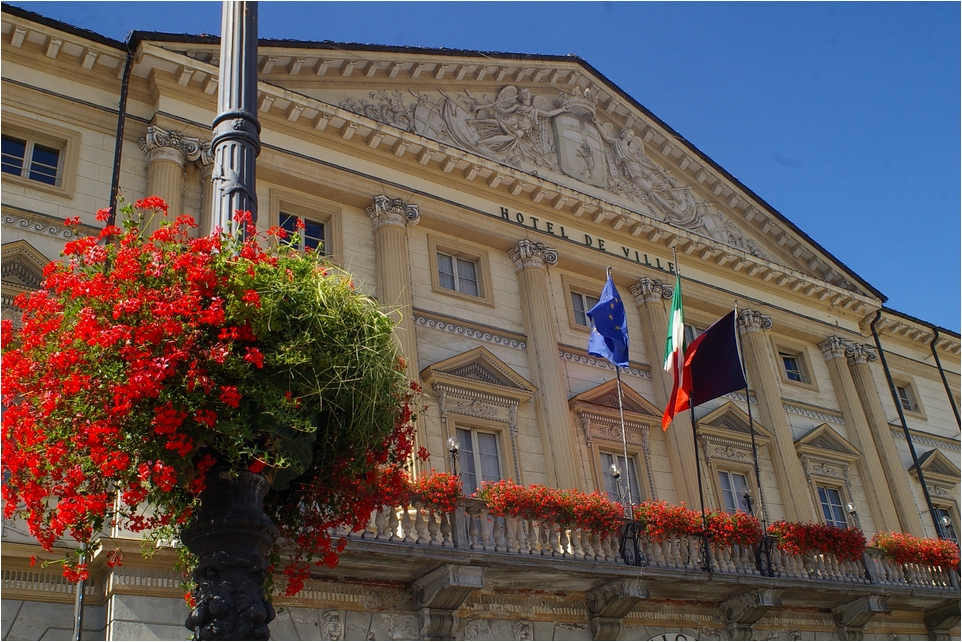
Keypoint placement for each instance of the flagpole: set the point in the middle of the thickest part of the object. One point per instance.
(629, 505)
(694, 434)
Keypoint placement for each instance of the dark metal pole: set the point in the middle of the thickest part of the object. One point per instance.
(905, 426)
(236, 130)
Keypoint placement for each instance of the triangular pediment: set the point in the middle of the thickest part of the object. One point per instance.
(825, 441)
(731, 421)
(22, 266)
(479, 369)
(549, 129)
(937, 469)
(604, 399)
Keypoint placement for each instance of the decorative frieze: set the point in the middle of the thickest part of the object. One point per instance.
(392, 211)
(57, 230)
(598, 362)
(467, 331)
(814, 414)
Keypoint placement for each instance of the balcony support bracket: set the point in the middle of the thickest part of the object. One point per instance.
(852, 616)
(742, 611)
(940, 621)
(439, 594)
(609, 603)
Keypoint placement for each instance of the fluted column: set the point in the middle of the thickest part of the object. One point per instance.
(531, 261)
(236, 139)
(876, 488)
(649, 296)
(793, 489)
(859, 356)
(206, 198)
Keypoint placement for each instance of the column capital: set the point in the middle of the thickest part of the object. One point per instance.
(191, 148)
(753, 321)
(393, 212)
(648, 291)
(834, 347)
(861, 353)
(530, 254)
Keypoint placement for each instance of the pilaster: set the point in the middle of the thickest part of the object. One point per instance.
(531, 261)
(763, 379)
(859, 356)
(650, 295)
(876, 489)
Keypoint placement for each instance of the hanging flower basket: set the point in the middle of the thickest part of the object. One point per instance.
(144, 361)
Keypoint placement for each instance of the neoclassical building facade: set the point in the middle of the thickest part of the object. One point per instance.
(480, 197)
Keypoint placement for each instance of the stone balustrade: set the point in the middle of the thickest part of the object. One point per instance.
(472, 527)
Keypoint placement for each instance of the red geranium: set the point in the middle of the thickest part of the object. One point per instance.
(568, 508)
(847, 544)
(908, 549)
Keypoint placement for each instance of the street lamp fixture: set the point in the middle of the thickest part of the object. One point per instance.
(851, 511)
(747, 500)
(454, 452)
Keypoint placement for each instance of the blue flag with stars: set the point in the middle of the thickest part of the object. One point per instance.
(609, 334)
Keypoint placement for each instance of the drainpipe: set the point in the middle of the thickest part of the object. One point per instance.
(119, 144)
(945, 382)
(905, 427)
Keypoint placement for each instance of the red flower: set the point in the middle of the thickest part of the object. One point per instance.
(152, 203)
(908, 549)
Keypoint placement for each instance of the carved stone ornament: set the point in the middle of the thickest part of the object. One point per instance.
(392, 211)
(752, 321)
(852, 616)
(442, 592)
(741, 612)
(193, 149)
(834, 348)
(861, 353)
(650, 291)
(609, 603)
(532, 254)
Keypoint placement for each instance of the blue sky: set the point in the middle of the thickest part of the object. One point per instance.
(845, 117)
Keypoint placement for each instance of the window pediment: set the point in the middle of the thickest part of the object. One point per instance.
(938, 469)
(825, 443)
(603, 401)
(481, 371)
(731, 423)
(22, 266)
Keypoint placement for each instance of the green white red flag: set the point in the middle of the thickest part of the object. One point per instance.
(675, 353)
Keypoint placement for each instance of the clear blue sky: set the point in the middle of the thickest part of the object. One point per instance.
(845, 117)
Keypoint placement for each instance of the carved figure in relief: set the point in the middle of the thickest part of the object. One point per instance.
(332, 625)
(523, 630)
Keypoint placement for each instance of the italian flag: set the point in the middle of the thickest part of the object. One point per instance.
(675, 355)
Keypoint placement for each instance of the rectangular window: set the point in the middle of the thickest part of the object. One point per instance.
(457, 274)
(733, 488)
(907, 398)
(948, 527)
(692, 333)
(793, 366)
(832, 509)
(29, 159)
(581, 304)
(310, 236)
(617, 489)
(480, 458)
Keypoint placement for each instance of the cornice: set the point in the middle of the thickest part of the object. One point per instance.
(900, 327)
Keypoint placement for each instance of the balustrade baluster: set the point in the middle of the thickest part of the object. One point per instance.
(433, 538)
(393, 525)
(473, 532)
(407, 525)
(420, 526)
(553, 539)
(446, 531)
(500, 539)
(511, 531)
(487, 526)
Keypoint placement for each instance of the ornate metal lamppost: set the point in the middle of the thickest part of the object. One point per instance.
(231, 535)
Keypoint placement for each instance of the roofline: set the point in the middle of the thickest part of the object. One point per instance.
(927, 324)
(136, 37)
(62, 26)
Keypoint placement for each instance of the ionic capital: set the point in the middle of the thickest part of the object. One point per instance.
(532, 254)
(393, 212)
(752, 321)
(648, 291)
(190, 148)
(834, 348)
(861, 353)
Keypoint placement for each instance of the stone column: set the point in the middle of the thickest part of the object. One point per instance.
(391, 216)
(898, 482)
(531, 261)
(206, 198)
(649, 296)
(794, 490)
(165, 173)
(876, 488)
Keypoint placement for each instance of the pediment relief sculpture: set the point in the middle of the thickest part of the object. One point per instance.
(825, 442)
(938, 469)
(602, 400)
(478, 369)
(533, 132)
(22, 266)
(730, 422)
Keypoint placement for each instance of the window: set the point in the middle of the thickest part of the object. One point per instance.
(581, 304)
(457, 274)
(611, 486)
(692, 333)
(907, 397)
(793, 366)
(480, 458)
(948, 526)
(832, 508)
(310, 235)
(733, 487)
(29, 159)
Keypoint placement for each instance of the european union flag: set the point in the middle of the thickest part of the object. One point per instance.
(609, 336)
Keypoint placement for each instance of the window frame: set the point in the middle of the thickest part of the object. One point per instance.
(460, 249)
(584, 288)
(949, 511)
(844, 500)
(35, 132)
(618, 456)
(313, 209)
(902, 383)
(800, 353)
(736, 493)
(474, 427)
